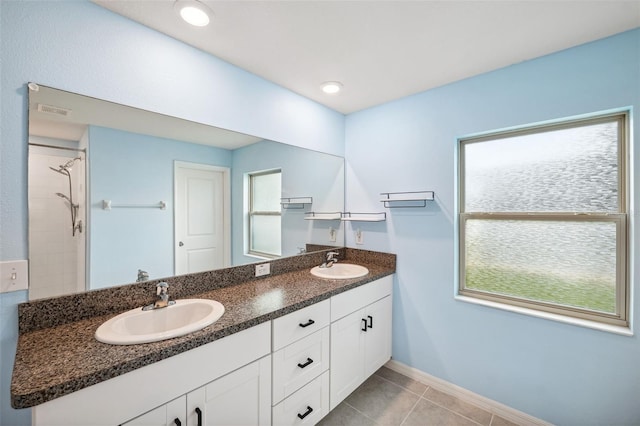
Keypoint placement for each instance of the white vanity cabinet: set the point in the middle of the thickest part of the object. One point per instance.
(238, 365)
(360, 336)
(239, 398)
(289, 371)
(301, 365)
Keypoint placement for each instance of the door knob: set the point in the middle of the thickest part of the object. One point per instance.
(180, 244)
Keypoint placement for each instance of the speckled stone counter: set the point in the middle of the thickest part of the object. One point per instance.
(57, 353)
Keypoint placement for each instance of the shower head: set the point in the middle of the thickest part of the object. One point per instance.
(63, 169)
(69, 163)
(63, 196)
(60, 170)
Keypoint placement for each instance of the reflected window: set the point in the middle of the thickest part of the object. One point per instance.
(543, 218)
(264, 236)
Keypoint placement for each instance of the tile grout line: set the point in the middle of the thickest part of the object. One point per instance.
(359, 412)
(494, 408)
(424, 396)
(402, 387)
(399, 386)
(413, 408)
(455, 412)
(434, 402)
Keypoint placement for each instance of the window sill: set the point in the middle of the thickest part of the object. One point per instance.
(623, 331)
(261, 257)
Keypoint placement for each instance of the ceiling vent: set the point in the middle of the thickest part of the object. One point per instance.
(49, 109)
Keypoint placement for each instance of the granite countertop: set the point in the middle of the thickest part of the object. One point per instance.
(58, 360)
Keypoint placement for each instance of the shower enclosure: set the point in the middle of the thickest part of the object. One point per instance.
(65, 170)
(57, 218)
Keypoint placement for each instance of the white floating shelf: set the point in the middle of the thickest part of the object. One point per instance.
(295, 202)
(364, 217)
(407, 199)
(322, 216)
(108, 205)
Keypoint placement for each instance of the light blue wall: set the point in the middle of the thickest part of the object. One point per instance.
(81, 47)
(561, 373)
(130, 168)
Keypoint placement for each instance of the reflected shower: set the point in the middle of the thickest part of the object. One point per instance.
(65, 169)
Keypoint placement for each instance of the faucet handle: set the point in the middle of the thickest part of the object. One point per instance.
(162, 288)
(332, 255)
(142, 275)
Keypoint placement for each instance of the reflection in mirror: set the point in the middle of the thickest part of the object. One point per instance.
(118, 194)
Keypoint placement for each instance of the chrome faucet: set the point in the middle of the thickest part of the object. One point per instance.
(142, 276)
(331, 259)
(163, 297)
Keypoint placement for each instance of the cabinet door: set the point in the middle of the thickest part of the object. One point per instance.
(170, 414)
(347, 354)
(242, 397)
(377, 349)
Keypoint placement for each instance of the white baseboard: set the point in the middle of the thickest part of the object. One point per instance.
(480, 401)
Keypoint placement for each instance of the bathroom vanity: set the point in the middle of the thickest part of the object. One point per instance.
(289, 348)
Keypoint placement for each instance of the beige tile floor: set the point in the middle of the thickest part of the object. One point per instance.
(388, 398)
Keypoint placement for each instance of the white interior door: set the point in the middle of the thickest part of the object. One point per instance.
(202, 217)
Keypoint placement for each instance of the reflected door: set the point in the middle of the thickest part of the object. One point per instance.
(201, 217)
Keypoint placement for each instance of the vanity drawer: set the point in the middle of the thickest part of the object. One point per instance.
(311, 403)
(350, 301)
(299, 363)
(301, 323)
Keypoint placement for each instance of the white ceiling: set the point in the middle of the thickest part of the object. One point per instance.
(383, 50)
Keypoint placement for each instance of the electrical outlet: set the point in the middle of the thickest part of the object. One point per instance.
(359, 237)
(263, 269)
(332, 235)
(14, 276)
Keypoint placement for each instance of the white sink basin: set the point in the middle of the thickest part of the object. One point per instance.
(340, 271)
(138, 326)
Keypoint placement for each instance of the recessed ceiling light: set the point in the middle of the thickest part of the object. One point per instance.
(331, 87)
(194, 12)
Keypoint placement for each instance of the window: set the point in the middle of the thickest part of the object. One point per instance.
(543, 218)
(264, 213)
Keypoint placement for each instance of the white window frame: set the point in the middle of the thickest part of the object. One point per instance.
(253, 213)
(621, 218)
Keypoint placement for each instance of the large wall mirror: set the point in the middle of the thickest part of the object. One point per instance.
(118, 194)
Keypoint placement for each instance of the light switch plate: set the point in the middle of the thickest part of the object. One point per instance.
(14, 276)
